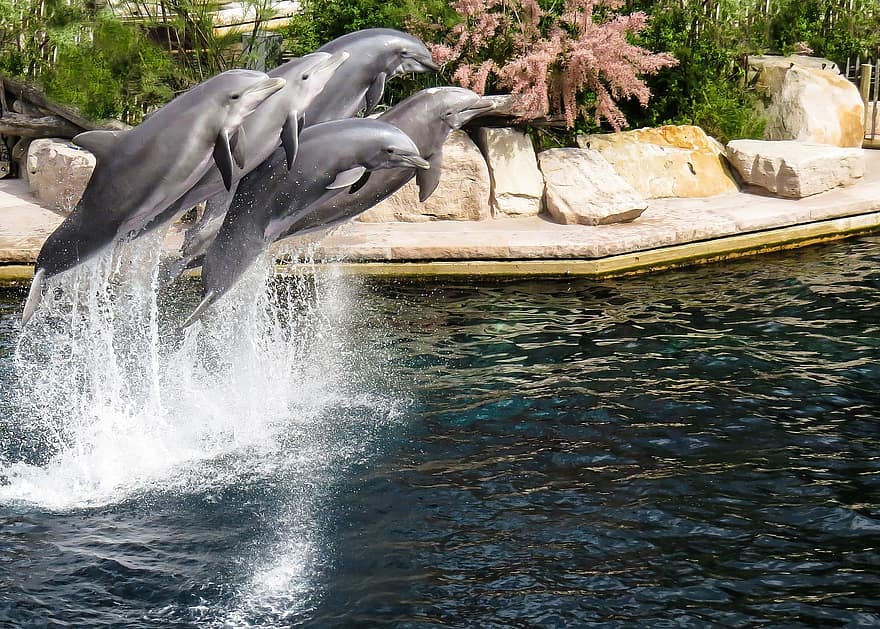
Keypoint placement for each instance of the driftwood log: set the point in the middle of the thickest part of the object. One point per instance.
(26, 113)
(26, 126)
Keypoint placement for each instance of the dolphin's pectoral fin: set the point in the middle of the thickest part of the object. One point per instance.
(360, 183)
(100, 143)
(223, 158)
(200, 309)
(430, 178)
(290, 137)
(35, 295)
(239, 145)
(347, 178)
(374, 92)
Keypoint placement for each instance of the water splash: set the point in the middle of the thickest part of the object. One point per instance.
(113, 399)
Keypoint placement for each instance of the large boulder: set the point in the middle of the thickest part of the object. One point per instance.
(517, 184)
(795, 169)
(58, 172)
(668, 161)
(582, 188)
(807, 99)
(462, 195)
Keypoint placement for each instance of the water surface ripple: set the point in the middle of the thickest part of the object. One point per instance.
(697, 448)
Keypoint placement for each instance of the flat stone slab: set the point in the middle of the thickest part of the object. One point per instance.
(581, 187)
(667, 161)
(795, 169)
(24, 223)
(667, 223)
(517, 184)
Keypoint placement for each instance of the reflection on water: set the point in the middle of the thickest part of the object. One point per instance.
(698, 448)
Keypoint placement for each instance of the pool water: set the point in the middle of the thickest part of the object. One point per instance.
(691, 449)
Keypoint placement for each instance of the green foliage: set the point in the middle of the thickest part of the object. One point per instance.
(323, 20)
(117, 73)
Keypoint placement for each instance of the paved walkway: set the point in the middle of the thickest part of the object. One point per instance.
(672, 232)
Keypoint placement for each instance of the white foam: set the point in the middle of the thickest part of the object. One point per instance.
(119, 406)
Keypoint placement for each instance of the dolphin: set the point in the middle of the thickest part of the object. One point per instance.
(139, 172)
(427, 117)
(377, 54)
(334, 157)
(304, 78)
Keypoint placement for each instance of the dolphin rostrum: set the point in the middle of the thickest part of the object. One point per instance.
(139, 172)
(334, 158)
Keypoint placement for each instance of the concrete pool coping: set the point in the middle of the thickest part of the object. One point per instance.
(672, 233)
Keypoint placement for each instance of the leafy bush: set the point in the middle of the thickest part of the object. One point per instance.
(574, 59)
(117, 73)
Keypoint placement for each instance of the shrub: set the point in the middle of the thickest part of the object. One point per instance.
(554, 60)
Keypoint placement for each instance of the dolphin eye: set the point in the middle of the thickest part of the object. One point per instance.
(389, 150)
(235, 96)
(305, 77)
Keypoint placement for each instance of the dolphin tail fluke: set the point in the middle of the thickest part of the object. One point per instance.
(200, 309)
(35, 296)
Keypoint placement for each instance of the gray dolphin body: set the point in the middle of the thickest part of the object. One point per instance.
(427, 117)
(375, 55)
(333, 157)
(139, 172)
(304, 78)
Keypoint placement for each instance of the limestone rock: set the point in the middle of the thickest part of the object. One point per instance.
(668, 161)
(808, 102)
(517, 184)
(463, 193)
(795, 169)
(58, 172)
(581, 187)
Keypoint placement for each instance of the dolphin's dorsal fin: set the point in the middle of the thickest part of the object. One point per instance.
(239, 147)
(223, 158)
(100, 142)
(430, 178)
(374, 92)
(360, 183)
(347, 178)
(290, 137)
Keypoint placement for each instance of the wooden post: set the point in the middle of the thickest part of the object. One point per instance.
(875, 99)
(865, 88)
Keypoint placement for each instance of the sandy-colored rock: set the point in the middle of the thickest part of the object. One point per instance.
(462, 195)
(582, 188)
(795, 169)
(807, 99)
(58, 172)
(668, 161)
(517, 184)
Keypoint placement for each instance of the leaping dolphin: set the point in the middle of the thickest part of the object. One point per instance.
(304, 78)
(333, 157)
(140, 172)
(377, 54)
(427, 117)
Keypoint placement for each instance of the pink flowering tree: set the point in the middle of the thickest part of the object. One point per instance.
(552, 60)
